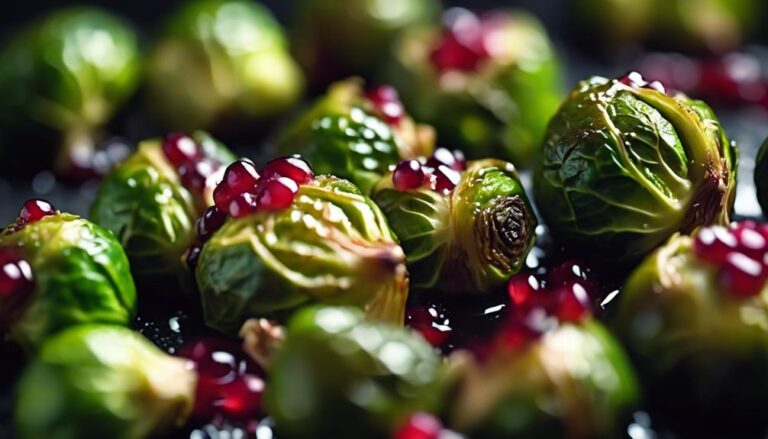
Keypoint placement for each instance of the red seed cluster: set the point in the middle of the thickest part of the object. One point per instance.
(229, 385)
(32, 211)
(464, 43)
(431, 321)
(635, 79)
(441, 172)
(16, 280)
(740, 253)
(386, 100)
(190, 161)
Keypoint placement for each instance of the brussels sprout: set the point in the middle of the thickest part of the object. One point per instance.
(625, 166)
(468, 240)
(339, 375)
(704, 25)
(761, 177)
(221, 63)
(81, 275)
(62, 78)
(145, 204)
(492, 102)
(346, 134)
(332, 245)
(98, 381)
(334, 39)
(574, 382)
(693, 318)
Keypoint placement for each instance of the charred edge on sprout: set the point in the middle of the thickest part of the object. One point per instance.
(504, 229)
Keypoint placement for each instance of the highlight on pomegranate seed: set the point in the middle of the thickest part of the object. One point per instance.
(222, 65)
(152, 202)
(57, 271)
(625, 166)
(692, 309)
(60, 108)
(348, 352)
(103, 381)
(486, 96)
(356, 135)
(288, 244)
(463, 231)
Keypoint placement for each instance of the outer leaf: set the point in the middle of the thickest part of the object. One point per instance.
(102, 381)
(332, 245)
(81, 274)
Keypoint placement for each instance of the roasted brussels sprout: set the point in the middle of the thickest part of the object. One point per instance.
(62, 78)
(693, 318)
(356, 136)
(761, 177)
(151, 201)
(77, 273)
(625, 166)
(334, 39)
(221, 64)
(102, 381)
(703, 25)
(465, 238)
(488, 85)
(294, 242)
(339, 375)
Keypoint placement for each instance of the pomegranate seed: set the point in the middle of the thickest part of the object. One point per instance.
(420, 426)
(462, 44)
(276, 193)
(193, 254)
(408, 174)
(573, 302)
(568, 271)
(446, 179)
(240, 177)
(294, 168)
(210, 222)
(15, 275)
(34, 210)
(194, 175)
(751, 242)
(521, 287)
(386, 99)
(181, 149)
(431, 322)
(742, 276)
(242, 204)
(442, 156)
(713, 244)
(241, 398)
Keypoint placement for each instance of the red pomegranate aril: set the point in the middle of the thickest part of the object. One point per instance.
(443, 156)
(520, 288)
(431, 322)
(241, 398)
(386, 99)
(713, 244)
(420, 426)
(446, 179)
(179, 149)
(408, 175)
(240, 176)
(194, 175)
(567, 272)
(192, 256)
(751, 242)
(294, 168)
(210, 222)
(35, 209)
(15, 275)
(242, 204)
(573, 302)
(742, 276)
(276, 193)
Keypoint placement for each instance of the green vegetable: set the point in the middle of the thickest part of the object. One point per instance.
(624, 167)
(695, 345)
(340, 375)
(332, 245)
(335, 39)
(221, 63)
(97, 381)
(703, 25)
(81, 276)
(344, 135)
(575, 382)
(466, 241)
(62, 78)
(143, 202)
(499, 110)
(761, 176)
